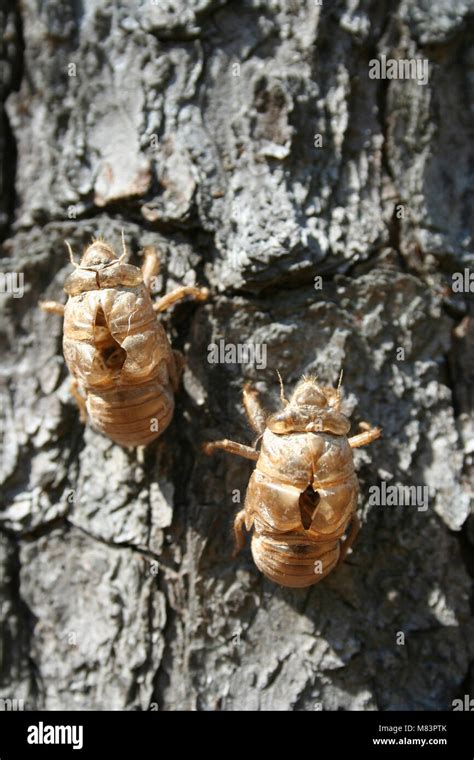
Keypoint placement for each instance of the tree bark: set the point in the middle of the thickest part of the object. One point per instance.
(248, 143)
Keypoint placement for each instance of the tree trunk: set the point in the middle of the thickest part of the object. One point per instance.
(327, 211)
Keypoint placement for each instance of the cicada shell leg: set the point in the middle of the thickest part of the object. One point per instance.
(177, 370)
(150, 266)
(256, 414)
(232, 447)
(199, 294)
(80, 400)
(52, 307)
(363, 439)
(239, 522)
(350, 538)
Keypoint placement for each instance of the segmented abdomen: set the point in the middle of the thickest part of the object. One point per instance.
(132, 416)
(294, 560)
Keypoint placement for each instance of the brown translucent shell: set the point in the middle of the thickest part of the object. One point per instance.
(116, 350)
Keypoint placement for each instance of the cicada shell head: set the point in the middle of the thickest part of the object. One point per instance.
(311, 408)
(100, 267)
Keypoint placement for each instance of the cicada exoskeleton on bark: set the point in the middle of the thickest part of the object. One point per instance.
(301, 501)
(124, 371)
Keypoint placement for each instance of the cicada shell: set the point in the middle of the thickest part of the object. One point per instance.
(124, 370)
(302, 497)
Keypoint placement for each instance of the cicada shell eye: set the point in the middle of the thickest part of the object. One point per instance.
(120, 274)
(286, 421)
(333, 421)
(278, 423)
(334, 397)
(80, 281)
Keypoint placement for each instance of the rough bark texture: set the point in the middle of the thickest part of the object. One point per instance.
(191, 125)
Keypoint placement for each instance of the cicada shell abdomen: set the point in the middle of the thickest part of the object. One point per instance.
(117, 351)
(300, 500)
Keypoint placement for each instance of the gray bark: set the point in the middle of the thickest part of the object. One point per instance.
(191, 125)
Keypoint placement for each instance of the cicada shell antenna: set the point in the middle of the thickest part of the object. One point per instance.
(282, 390)
(124, 248)
(71, 255)
(340, 381)
(338, 389)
